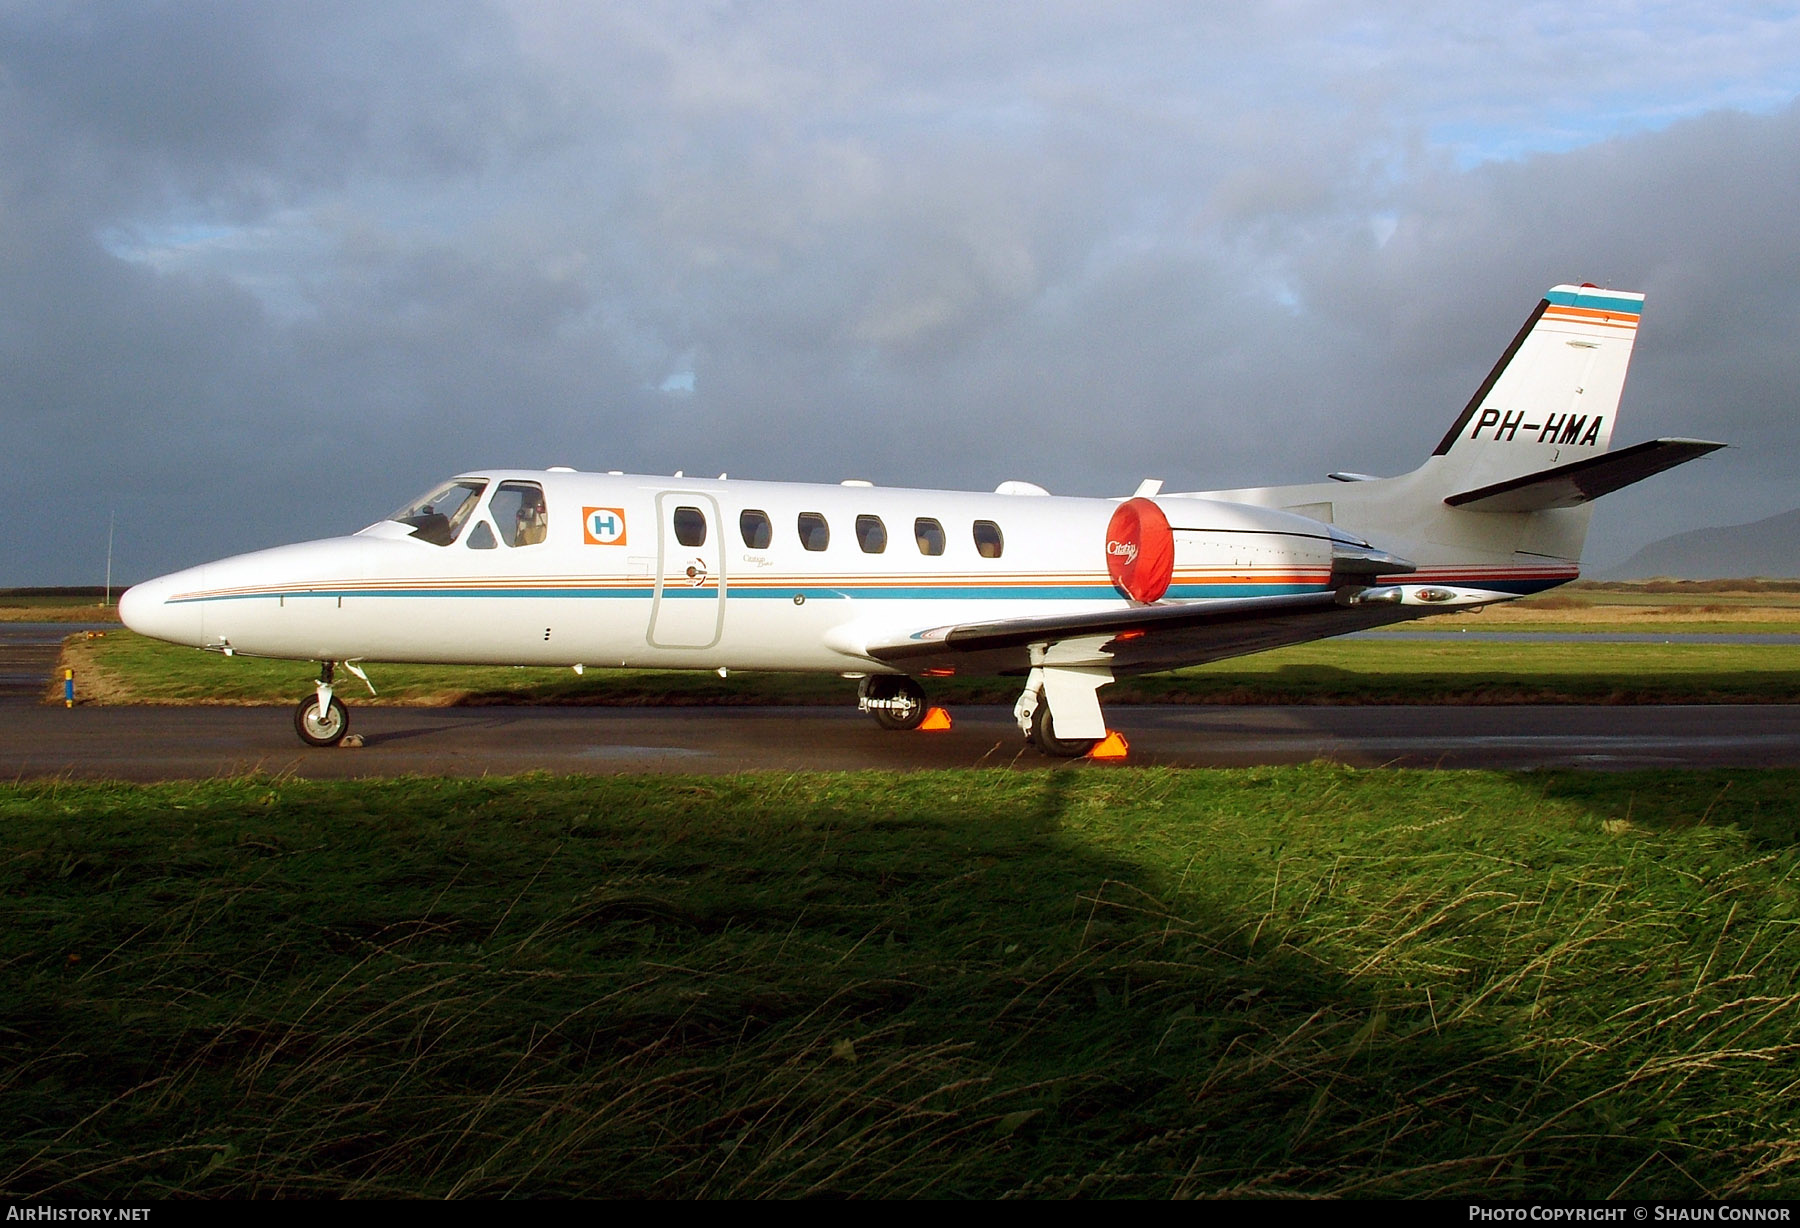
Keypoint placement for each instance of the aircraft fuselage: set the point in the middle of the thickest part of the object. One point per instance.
(653, 572)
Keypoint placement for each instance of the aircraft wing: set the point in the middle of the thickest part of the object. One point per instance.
(1137, 639)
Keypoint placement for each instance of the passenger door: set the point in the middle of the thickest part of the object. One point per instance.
(689, 607)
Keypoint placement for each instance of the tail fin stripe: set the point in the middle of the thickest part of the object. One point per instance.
(1587, 315)
(1596, 300)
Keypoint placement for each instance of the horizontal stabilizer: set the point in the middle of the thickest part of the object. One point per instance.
(1576, 483)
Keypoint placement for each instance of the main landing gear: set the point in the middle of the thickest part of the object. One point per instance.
(321, 719)
(1040, 736)
(1033, 714)
(898, 702)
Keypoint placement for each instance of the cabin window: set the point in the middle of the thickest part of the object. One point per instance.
(690, 526)
(441, 515)
(988, 542)
(518, 512)
(815, 534)
(929, 534)
(481, 537)
(871, 534)
(755, 527)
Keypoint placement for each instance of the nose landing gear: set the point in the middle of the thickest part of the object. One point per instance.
(315, 730)
(321, 719)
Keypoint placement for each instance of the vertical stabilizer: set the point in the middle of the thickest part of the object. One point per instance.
(1553, 396)
(1510, 489)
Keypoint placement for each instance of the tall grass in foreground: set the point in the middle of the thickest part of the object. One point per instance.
(1278, 981)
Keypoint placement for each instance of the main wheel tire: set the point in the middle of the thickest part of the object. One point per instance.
(1049, 743)
(317, 731)
(908, 698)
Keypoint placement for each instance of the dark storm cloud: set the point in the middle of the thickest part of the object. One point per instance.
(163, 382)
(255, 102)
(268, 270)
(1696, 216)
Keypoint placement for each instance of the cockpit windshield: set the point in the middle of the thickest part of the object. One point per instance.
(440, 515)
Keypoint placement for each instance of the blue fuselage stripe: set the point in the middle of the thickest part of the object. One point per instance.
(840, 592)
(1020, 592)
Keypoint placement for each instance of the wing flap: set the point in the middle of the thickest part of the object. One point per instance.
(1137, 639)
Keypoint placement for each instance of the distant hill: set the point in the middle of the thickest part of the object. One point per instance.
(76, 590)
(1764, 548)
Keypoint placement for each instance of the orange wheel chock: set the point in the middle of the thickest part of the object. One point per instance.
(1112, 746)
(935, 720)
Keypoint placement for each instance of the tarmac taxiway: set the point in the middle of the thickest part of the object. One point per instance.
(42, 740)
(158, 743)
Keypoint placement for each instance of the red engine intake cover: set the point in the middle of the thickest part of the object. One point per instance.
(1140, 550)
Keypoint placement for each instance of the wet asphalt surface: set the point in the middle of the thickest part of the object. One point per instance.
(154, 743)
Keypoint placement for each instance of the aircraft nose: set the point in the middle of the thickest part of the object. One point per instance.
(146, 609)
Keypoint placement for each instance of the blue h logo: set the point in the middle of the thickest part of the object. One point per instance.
(605, 526)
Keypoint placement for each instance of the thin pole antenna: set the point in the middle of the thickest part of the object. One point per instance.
(110, 516)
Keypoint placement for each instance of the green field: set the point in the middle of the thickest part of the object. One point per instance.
(17, 607)
(1082, 982)
(121, 667)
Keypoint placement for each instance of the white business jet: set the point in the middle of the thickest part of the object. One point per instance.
(890, 586)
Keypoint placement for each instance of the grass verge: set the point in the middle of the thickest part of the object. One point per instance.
(1146, 983)
(121, 667)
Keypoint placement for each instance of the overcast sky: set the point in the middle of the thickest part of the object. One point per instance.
(267, 271)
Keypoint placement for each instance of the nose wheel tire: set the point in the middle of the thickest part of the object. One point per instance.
(321, 730)
(1050, 744)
